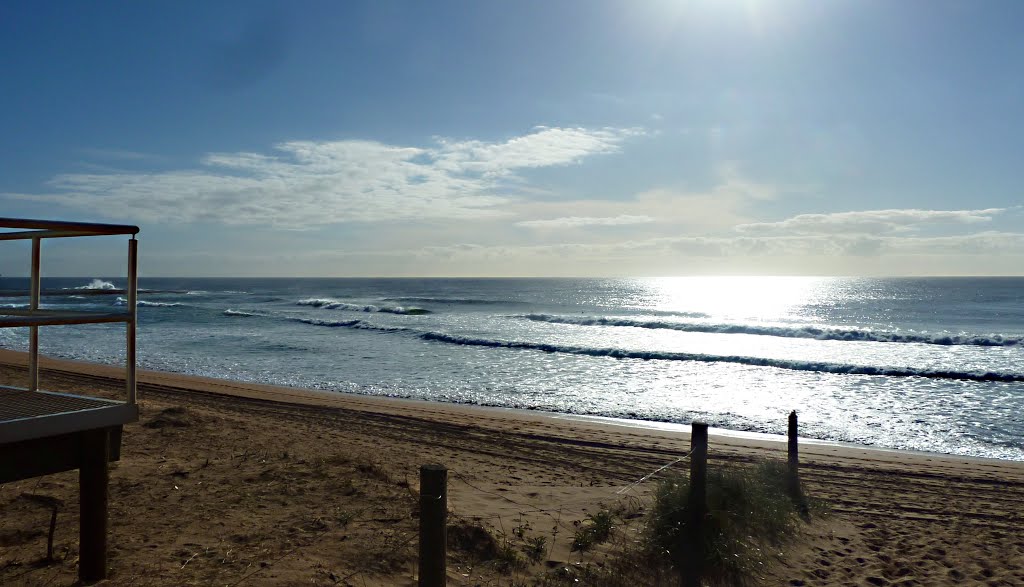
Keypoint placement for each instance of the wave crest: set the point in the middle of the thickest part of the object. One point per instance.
(817, 366)
(355, 323)
(97, 284)
(329, 304)
(147, 304)
(812, 332)
(241, 313)
(459, 301)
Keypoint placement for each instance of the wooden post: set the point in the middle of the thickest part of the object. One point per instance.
(697, 502)
(92, 488)
(699, 464)
(433, 525)
(794, 458)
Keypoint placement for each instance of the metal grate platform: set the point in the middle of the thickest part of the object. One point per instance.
(17, 404)
(34, 414)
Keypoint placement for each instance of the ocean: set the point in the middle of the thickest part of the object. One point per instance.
(931, 364)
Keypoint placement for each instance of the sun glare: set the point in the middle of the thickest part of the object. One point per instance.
(761, 298)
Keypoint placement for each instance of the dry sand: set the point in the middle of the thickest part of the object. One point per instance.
(228, 483)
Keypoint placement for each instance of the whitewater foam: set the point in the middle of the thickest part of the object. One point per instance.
(355, 323)
(456, 301)
(793, 365)
(807, 331)
(97, 284)
(330, 304)
(242, 313)
(147, 304)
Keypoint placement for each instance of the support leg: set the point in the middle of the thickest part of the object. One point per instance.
(92, 486)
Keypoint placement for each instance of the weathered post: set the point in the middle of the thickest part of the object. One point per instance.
(92, 491)
(794, 458)
(699, 465)
(697, 502)
(433, 525)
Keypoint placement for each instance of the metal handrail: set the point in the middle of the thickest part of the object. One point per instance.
(58, 229)
(34, 317)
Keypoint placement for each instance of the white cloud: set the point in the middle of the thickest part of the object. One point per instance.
(984, 243)
(580, 221)
(121, 155)
(720, 206)
(545, 147)
(869, 221)
(311, 183)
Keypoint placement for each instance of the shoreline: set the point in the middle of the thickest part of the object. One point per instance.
(440, 410)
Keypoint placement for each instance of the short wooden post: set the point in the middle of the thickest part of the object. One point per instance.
(433, 525)
(697, 502)
(92, 488)
(699, 464)
(794, 458)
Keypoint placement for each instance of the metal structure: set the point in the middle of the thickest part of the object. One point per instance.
(44, 432)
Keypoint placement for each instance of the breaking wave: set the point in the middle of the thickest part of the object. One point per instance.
(813, 332)
(794, 365)
(147, 304)
(356, 323)
(329, 304)
(97, 284)
(241, 313)
(458, 301)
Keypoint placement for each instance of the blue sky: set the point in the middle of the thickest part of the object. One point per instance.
(663, 137)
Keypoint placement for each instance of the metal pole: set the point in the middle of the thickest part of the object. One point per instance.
(433, 525)
(33, 304)
(133, 286)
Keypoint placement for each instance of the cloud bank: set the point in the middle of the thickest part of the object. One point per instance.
(869, 222)
(315, 183)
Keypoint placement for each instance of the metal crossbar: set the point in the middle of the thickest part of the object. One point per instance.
(58, 229)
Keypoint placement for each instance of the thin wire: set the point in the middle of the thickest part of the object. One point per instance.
(655, 472)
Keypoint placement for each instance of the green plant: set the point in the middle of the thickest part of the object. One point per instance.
(508, 558)
(535, 548)
(747, 510)
(596, 529)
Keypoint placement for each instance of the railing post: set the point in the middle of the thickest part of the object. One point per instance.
(697, 502)
(33, 305)
(433, 525)
(130, 328)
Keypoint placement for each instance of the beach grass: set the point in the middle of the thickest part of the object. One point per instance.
(749, 514)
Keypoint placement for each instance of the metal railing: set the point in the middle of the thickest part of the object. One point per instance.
(33, 317)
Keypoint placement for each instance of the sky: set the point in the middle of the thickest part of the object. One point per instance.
(527, 138)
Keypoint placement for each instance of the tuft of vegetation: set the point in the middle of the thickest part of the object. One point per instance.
(596, 529)
(749, 511)
(173, 417)
(535, 548)
(473, 540)
(508, 558)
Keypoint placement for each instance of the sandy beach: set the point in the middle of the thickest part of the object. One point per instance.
(230, 483)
